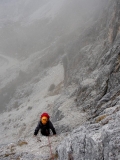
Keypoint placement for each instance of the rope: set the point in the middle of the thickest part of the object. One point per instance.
(50, 148)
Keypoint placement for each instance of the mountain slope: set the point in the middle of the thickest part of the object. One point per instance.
(96, 70)
(78, 53)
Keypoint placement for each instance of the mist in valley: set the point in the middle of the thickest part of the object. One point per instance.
(49, 29)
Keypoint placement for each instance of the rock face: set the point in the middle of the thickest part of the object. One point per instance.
(99, 141)
(74, 76)
(96, 69)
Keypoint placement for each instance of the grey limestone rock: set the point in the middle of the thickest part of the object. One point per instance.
(98, 92)
(93, 142)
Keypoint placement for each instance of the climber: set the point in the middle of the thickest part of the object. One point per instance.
(44, 125)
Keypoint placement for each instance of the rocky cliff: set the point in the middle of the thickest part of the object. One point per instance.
(98, 91)
(72, 72)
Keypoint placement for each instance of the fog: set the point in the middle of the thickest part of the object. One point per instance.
(30, 26)
(33, 34)
(61, 57)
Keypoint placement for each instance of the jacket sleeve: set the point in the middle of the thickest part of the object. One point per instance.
(37, 129)
(52, 127)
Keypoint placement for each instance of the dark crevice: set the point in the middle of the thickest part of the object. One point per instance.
(106, 88)
(84, 146)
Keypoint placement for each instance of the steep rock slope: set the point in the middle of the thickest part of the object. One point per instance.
(96, 70)
(90, 91)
